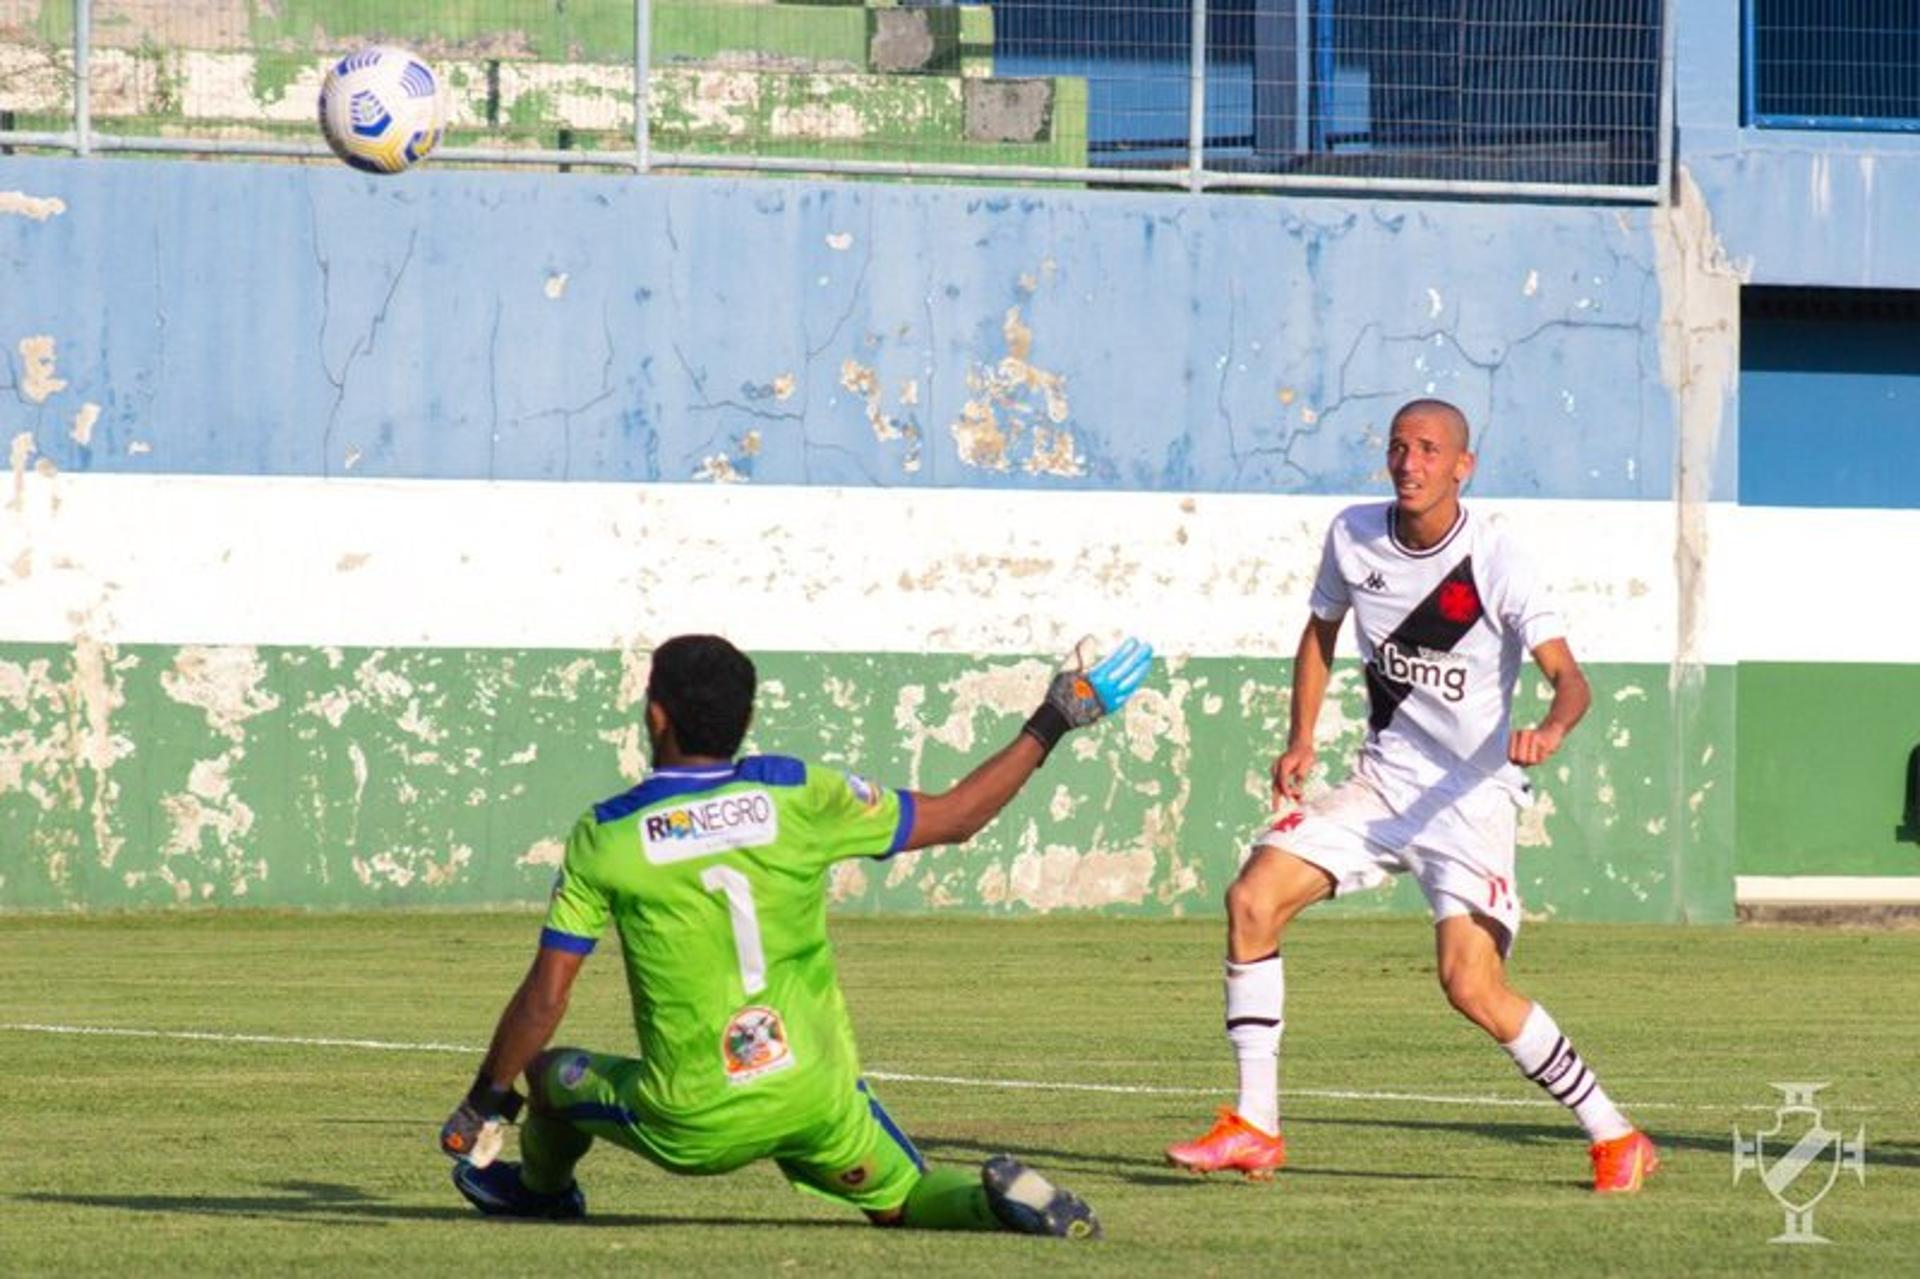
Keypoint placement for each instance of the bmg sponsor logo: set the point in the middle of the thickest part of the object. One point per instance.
(1424, 668)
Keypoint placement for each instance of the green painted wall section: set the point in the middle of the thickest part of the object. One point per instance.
(141, 776)
(1823, 751)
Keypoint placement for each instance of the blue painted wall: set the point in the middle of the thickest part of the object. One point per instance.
(243, 319)
(1830, 412)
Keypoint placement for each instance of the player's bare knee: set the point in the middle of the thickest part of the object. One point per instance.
(1474, 995)
(1254, 914)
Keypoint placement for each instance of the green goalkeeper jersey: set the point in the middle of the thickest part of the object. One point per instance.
(715, 879)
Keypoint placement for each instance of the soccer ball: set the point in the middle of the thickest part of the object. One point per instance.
(381, 109)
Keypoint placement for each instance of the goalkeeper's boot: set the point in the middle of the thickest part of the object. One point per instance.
(1232, 1145)
(497, 1191)
(1621, 1165)
(1025, 1201)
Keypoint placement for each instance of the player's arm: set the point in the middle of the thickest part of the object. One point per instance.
(1312, 672)
(1075, 698)
(1571, 697)
(576, 915)
(526, 1026)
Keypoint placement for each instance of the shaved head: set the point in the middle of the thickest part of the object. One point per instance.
(1441, 412)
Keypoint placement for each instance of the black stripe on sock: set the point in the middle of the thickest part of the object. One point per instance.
(1552, 1057)
(1252, 1021)
(1593, 1082)
(1575, 1077)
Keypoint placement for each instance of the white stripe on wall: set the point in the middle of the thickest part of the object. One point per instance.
(1827, 890)
(1820, 584)
(384, 563)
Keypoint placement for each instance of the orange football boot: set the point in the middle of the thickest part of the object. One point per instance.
(1232, 1145)
(1621, 1165)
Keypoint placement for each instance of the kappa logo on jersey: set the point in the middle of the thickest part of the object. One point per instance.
(1374, 582)
(744, 819)
(755, 1044)
(1424, 668)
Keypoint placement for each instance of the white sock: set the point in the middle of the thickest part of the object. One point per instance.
(1256, 998)
(1545, 1056)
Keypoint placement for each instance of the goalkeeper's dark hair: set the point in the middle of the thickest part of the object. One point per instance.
(705, 685)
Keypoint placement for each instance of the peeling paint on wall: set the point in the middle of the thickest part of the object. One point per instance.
(37, 378)
(83, 423)
(19, 204)
(292, 776)
(1002, 408)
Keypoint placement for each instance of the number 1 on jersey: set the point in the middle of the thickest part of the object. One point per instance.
(746, 924)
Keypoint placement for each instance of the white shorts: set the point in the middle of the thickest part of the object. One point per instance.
(1461, 851)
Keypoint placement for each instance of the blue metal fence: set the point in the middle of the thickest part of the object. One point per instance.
(1833, 64)
(1478, 97)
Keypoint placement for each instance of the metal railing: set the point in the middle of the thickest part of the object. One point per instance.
(1833, 64)
(1554, 98)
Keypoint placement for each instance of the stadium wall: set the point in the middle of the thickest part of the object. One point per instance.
(343, 513)
(1827, 702)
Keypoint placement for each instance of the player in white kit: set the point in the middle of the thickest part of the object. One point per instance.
(1444, 607)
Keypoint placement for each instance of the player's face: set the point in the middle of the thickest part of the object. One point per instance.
(1427, 463)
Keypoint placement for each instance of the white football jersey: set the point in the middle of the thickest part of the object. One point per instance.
(1442, 632)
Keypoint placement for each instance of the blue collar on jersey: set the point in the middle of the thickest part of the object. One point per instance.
(667, 783)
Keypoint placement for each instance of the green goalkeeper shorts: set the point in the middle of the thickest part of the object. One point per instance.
(848, 1149)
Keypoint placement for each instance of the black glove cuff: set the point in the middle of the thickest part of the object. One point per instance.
(1046, 726)
(491, 1102)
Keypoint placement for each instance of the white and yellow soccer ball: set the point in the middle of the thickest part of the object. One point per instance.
(382, 109)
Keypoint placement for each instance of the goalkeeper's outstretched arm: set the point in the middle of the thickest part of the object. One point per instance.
(1076, 697)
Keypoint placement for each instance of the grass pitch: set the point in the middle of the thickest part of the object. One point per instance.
(170, 1155)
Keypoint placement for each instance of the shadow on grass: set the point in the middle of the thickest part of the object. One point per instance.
(1898, 1154)
(345, 1205)
(1149, 1169)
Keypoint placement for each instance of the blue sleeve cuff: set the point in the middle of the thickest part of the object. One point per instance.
(553, 939)
(904, 829)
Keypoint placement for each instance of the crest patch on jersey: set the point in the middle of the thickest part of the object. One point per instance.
(714, 824)
(1458, 602)
(863, 790)
(573, 1070)
(754, 1044)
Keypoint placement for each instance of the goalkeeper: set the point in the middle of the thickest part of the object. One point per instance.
(713, 872)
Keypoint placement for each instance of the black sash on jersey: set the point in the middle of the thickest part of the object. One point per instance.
(1436, 623)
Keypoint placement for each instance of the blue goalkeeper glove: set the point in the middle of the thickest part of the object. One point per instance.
(1078, 696)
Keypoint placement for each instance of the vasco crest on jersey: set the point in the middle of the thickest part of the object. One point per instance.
(1458, 602)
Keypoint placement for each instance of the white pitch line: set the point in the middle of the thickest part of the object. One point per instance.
(884, 1076)
(224, 1037)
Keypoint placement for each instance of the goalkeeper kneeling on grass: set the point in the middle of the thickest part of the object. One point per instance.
(713, 872)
